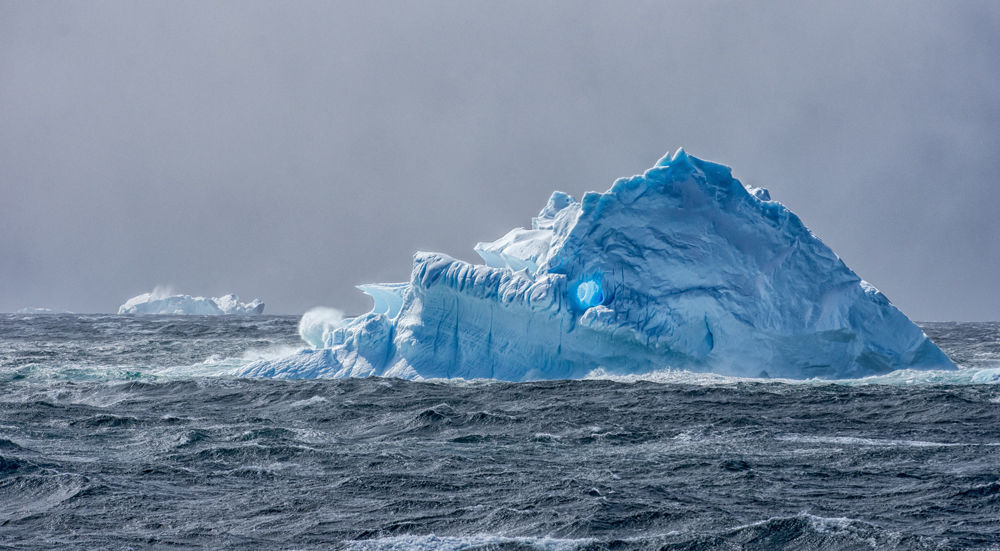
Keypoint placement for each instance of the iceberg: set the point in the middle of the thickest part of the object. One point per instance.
(32, 310)
(160, 301)
(681, 267)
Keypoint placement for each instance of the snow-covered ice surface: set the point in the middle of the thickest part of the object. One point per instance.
(163, 302)
(681, 267)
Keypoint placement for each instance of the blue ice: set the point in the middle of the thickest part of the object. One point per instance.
(680, 267)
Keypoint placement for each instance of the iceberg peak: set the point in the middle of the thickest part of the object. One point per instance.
(557, 203)
(681, 266)
(679, 157)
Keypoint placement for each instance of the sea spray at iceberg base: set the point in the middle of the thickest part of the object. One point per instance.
(681, 267)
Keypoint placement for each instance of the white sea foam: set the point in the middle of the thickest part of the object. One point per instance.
(902, 377)
(308, 402)
(460, 543)
(219, 365)
(872, 442)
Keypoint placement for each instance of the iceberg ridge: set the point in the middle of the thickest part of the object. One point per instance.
(681, 267)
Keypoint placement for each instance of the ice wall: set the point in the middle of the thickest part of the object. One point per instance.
(679, 267)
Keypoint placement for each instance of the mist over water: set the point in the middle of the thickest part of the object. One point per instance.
(289, 152)
(125, 432)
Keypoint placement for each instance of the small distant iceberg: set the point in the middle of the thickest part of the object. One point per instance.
(36, 311)
(163, 302)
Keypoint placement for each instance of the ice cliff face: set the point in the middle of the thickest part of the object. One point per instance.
(160, 302)
(680, 267)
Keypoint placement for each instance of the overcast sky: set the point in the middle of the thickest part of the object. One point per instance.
(289, 151)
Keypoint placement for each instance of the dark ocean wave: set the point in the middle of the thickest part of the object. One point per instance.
(805, 532)
(93, 459)
(389, 464)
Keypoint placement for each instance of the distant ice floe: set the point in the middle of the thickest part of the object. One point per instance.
(162, 301)
(37, 311)
(679, 268)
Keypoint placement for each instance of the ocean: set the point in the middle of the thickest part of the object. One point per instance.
(122, 432)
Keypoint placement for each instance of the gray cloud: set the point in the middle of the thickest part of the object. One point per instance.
(291, 151)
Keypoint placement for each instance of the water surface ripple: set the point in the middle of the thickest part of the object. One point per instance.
(141, 460)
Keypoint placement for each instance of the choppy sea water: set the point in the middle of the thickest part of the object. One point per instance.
(122, 432)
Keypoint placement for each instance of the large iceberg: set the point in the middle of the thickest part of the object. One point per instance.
(681, 267)
(160, 301)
